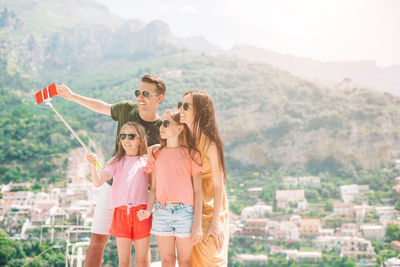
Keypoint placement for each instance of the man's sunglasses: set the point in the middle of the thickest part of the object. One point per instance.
(166, 123)
(186, 105)
(146, 94)
(130, 136)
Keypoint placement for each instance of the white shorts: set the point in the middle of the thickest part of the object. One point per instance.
(103, 215)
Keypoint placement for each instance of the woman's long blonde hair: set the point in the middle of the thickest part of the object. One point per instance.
(143, 140)
(205, 123)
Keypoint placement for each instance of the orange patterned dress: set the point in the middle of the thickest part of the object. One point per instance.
(206, 253)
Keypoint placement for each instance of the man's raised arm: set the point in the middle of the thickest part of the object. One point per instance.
(90, 103)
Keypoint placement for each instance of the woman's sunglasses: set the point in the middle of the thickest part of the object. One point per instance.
(186, 105)
(166, 123)
(130, 136)
(146, 94)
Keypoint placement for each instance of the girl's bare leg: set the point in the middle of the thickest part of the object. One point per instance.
(124, 246)
(185, 248)
(166, 245)
(142, 252)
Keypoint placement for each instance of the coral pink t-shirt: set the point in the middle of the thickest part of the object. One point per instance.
(130, 185)
(174, 169)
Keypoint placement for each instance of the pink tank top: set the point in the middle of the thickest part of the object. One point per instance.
(130, 182)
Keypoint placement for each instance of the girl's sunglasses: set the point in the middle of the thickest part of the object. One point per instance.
(186, 105)
(146, 94)
(166, 123)
(130, 136)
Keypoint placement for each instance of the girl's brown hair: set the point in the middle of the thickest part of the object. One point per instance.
(205, 122)
(143, 140)
(184, 136)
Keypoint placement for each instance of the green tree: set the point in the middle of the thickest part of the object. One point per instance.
(392, 232)
(7, 248)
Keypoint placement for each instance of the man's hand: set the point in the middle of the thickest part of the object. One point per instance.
(64, 91)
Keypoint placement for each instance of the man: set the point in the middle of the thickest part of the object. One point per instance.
(150, 94)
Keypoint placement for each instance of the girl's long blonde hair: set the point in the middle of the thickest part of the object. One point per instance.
(143, 140)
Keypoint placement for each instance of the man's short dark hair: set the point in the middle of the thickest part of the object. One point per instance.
(161, 88)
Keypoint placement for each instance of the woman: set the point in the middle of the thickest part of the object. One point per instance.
(198, 113)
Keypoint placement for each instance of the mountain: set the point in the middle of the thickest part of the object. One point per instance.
(269, 118)
(42, 36)
(364, 73)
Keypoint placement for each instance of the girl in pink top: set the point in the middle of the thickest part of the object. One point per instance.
(175, 193)
(129, 193)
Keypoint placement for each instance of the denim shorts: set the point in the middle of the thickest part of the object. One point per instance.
(172, 220)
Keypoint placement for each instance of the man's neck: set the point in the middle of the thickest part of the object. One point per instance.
(149, 116)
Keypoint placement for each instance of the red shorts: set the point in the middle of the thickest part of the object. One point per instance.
(128, 225)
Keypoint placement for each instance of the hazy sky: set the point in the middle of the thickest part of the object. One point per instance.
(319, 29)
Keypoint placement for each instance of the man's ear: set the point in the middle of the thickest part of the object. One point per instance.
(160, 98)
(181, 128)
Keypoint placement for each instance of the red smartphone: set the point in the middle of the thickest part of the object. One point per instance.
(45, 93)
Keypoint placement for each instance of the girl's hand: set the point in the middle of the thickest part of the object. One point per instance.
(143, 214)
(151, 150)
(92, 158)
(196, 235)
(216, 232)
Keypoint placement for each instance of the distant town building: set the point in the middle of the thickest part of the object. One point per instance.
(386, 214)
(255, 227)
(172, 74)
(20, 186)
(22, 198)
(288, 231)
(23, 212)
(247, 259)
(45, 204)
(343, 209)
(309, 227)
(255, 191)
(285, 230)
(363, 188)
(296, 219)
(346, 245)
(309, 181)
(348, 229)
(5, 206)
(300, 256)
(397, 182)
(290, 181)
(360, 211)
(349, 193)
(326, 232)
(395, 245)
(285, 197)
(392, 262)
(375, 232)
(259, 210)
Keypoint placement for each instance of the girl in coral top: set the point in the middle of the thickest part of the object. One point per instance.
(129, 193)
(175, 193)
